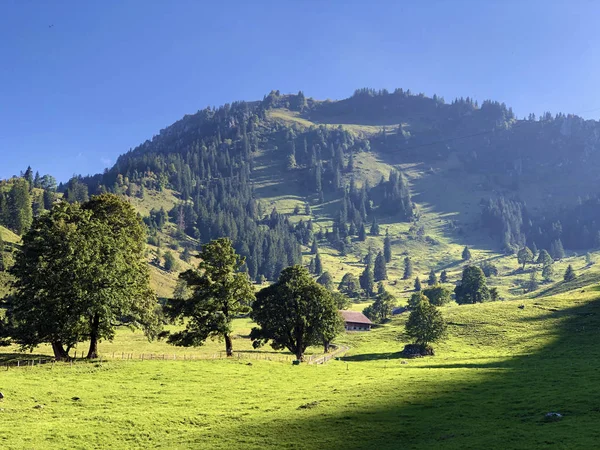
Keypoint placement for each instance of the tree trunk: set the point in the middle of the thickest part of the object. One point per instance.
(59, 352)
(325, 346)
(228, 345)
(94, 325)
(299, 355)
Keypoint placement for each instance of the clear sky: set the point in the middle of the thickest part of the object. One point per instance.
(83, 81)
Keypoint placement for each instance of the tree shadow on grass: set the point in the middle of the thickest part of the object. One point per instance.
(502, 405)
(13, 357)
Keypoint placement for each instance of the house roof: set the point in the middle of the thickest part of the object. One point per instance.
(355, 317)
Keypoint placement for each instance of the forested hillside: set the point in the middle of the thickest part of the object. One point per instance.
(290, 175)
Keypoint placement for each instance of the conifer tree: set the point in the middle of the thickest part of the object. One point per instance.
(408, 268)
(318, 265)
(380, 270)
(418, 284)
(314, 249)
(569, 274)
(444, 276)
(374, 228)
(362, 233)
(432, 280)
(387, 248)
(466, 254)
(367, 280)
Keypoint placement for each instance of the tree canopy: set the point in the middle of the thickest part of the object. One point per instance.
(295, 313)
(472, 288)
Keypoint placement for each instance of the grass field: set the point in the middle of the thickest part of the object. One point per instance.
(490, 385)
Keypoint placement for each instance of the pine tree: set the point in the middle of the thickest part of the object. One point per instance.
(466, 254)
(418, 284)
(387, 248)
(318, 265)
(408, 268)
(374, 228)
(314, 249)
(444, 276)
(380, 270)
(367, 280)
(569, 274)
(362, 233)
(432, 280)
(556, 249)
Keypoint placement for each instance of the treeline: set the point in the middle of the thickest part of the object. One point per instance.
(576, 227)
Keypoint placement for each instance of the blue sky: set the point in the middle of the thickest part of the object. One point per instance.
(82, 82)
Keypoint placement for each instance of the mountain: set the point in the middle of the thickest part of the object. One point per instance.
(277, 174)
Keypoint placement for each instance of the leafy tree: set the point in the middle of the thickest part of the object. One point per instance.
(170, 261)
(437, 295)
(367, 279)
(318, 265)
(340, 300)
(489, 269)
(294, 313)
(525, 256)
(415, 299)
(382, 307)
(186, 255)
(387, 248)
(444, 277)
(220, 292)
(182, 291)
(81, 272)
(466, 254)
(569, 274)
(380, 270)
(432, 280)
(326, 281)
(548, 272)
(408, 268)
(425, 324)
(533, 282)
(544, 258)
(417, 284)
(494, 294)
(473, 287)
(349, 285)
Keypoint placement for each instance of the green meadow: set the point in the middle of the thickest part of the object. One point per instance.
(488, 386)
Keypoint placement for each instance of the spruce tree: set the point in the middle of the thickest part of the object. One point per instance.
(408, 268)
(556, 249)
(417, 284)
(314, 249)
(387, 248)
(432, 281)
(374, 228)
(547, 272)
(367, 280)
(466, 254)
(569, 274)
(544, 258)
(318, 265)
(362, 233)
(444, 276)
(2, 263)
(380, 270)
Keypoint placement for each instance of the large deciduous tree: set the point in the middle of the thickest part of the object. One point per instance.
(473, 287)
(80, 273)
(425, 324)
(220, 291)
(295, 313)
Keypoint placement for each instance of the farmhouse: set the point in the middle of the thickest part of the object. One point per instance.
(356, 321)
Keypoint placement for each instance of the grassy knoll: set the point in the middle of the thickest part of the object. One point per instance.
(488, 386)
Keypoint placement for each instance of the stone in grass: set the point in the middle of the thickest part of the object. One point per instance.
(75, 399)
(38, 407)
(309, 405)
(1, 396)
(417, 350)
(553, 417)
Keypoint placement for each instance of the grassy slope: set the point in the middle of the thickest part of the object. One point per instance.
(489, 385)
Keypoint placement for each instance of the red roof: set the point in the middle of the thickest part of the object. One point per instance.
(355, 317)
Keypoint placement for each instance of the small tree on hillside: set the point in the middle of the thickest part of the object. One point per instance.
(408, 268)
(326, 281)
(417, 284)
(425, 324)
(466, 254)
(548, 272)
(525, 256)
(170, 262)
(374, 228)
(380, 269)
(544, 258)
(494, 294)
(362, 233)
(367, 280)
(349, 285)
(318, 264)
(415, 299)
(444, 277)
(437, 295)
(556, 249)
(569, 274)
(382, 307)
(314, 249)
(432, 280)
(387, 248)
(473, 287)
(533, 283)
